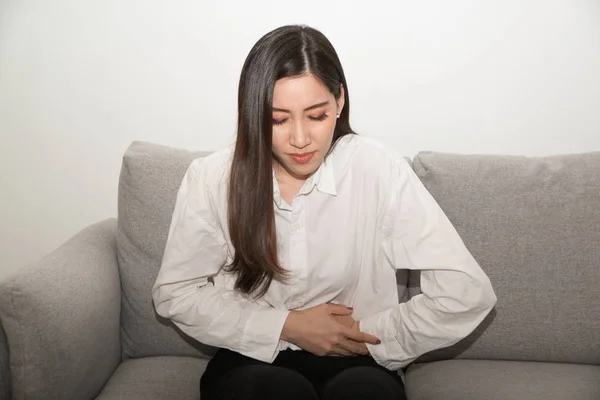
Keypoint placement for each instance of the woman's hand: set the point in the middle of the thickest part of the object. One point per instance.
(345, 320)
(348, 320)
(326, 330)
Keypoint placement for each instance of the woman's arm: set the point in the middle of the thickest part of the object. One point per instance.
(456, 293)
(184, 292)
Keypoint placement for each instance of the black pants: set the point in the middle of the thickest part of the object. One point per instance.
(298, 375)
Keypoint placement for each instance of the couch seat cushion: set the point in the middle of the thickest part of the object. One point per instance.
(502, 380)
(156, 378)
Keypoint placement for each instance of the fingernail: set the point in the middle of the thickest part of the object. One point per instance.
(378, 341)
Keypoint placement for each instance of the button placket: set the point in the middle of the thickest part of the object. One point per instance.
(299, 235)
(297, 250)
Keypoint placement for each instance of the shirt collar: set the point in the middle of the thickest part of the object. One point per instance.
(324, 178)
(276, 191)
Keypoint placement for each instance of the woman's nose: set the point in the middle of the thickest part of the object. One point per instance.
(299, 137)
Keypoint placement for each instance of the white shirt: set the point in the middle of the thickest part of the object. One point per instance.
(361, 216)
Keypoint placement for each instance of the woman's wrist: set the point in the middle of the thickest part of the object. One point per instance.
(287, 333)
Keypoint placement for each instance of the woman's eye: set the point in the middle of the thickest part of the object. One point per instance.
(321, 117)
(279, 121)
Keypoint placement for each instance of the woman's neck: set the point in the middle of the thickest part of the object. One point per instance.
(289, 186)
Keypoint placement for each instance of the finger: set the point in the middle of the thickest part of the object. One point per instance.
(344, 320)
(338, 309)
(359, 336)
(341, 351)
(354, 347)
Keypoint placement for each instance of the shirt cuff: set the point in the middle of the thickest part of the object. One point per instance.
(262, 332)
(388, 353)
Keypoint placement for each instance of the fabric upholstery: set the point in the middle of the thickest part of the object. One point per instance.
(502, 380)
(533, 224)
(156, 378)
(61, 319)
(5, 384)
(150, 178)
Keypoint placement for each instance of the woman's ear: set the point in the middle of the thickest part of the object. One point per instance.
(341, 100)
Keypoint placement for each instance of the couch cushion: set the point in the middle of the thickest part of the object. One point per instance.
(501, 380)
(156, 378)
(150, 177)
(533, 224)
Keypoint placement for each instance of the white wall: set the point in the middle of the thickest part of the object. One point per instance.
(79, 80)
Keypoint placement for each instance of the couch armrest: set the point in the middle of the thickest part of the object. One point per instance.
(61, 318)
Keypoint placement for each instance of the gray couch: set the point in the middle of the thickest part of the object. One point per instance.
(80, 323)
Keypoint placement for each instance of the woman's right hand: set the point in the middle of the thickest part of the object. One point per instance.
(317, 331)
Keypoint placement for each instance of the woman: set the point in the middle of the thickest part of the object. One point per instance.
(282, 251)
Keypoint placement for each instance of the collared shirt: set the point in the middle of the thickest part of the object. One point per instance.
(360, 217)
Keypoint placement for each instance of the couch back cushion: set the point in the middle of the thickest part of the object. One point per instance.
(533, 224)
(150, 178)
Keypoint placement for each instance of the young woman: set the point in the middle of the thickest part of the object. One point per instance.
(283, 250)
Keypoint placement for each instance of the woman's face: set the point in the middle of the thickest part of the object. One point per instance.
(304, 118)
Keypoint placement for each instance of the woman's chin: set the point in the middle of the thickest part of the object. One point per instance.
(301, 171)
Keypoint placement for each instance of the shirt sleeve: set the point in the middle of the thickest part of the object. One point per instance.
(184, 292)
(456, 293)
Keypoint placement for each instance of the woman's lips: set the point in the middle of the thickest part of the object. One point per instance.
(302, 158)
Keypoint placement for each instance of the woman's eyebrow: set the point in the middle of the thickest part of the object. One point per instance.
(318, 105)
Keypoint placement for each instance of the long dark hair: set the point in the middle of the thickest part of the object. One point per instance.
(284, 52)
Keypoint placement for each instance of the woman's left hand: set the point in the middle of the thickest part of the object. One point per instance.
(345, 320)
(349, 322)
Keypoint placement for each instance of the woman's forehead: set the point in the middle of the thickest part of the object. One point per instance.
(299, 92)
